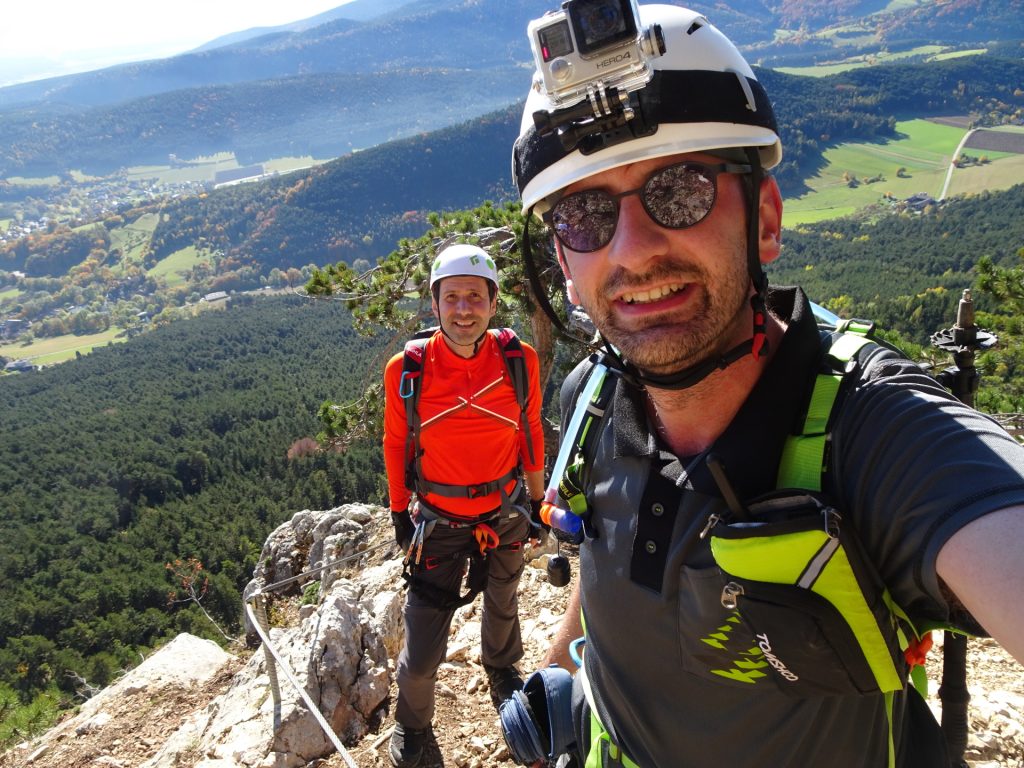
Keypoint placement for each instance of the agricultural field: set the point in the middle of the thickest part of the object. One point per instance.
(924, 151)
(1005, 147)
(58, 349)
(41, 181)
(869, 60)
(1005, 139)
(205, 169)
(133, 239)
(174, 269)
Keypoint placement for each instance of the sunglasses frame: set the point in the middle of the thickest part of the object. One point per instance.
(711, 170)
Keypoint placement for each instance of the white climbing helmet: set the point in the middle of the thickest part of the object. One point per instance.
(463, 259)
(703, 96)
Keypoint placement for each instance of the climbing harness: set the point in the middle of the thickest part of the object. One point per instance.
(429, 515)
(485, 540)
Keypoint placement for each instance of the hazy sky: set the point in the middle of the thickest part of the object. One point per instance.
(41, 38)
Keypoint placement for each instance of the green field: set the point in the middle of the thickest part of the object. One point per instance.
(1009, 170)
(929, 52)
(958, 54)
(925, 151)
(42, 181)
(133, 239)
(864, 60)
(174, 269)
(204, 169)
(59, 348)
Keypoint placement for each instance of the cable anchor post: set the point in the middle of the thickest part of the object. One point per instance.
(963, 341)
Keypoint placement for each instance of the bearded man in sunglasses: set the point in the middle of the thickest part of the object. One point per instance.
(697, 652)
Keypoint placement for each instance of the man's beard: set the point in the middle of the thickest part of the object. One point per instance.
(662, 347)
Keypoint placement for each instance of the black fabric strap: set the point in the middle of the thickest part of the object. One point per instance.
(690, 96)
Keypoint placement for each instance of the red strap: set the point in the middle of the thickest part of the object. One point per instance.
(759, 335)
(486, 538)
(917, 650)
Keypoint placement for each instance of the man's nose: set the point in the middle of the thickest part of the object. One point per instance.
(638, 238)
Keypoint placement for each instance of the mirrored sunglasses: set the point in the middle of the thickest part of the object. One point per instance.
(675, 197)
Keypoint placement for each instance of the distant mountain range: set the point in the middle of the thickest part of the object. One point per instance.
(358, 11)
(372, 70)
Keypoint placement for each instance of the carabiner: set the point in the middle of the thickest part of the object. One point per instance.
(405, 389)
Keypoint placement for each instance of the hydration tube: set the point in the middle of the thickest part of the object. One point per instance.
(551, 512)
(823, 316)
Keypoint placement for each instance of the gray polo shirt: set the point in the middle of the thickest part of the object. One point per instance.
(911, 466)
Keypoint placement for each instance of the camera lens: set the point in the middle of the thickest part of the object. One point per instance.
(600, 21)
(599, 24)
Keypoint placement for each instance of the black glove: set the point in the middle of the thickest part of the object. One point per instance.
(403, 528)
(535, 505)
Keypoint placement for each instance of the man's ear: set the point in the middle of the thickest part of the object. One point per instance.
(770, 221)
(570, 288)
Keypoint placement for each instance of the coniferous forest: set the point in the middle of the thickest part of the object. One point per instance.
(190, 442)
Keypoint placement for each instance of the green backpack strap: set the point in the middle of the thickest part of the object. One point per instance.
(803, 456)
(805, 461)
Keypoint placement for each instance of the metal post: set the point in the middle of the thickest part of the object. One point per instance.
(962, 341)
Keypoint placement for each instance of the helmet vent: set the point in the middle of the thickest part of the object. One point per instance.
(748, 92)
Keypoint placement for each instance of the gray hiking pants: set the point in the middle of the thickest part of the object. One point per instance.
(427, 627)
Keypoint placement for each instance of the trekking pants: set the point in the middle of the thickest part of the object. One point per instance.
(427, 627)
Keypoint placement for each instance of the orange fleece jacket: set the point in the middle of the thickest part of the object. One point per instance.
(467, 445)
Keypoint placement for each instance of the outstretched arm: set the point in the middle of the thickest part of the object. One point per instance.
(982, 564)
(570, 628)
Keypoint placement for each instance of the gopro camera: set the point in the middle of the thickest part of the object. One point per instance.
(593, 45)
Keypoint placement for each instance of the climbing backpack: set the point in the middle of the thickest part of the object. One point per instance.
(409, 389)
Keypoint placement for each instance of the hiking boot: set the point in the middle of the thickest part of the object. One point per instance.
(406, 748)
(504, 682)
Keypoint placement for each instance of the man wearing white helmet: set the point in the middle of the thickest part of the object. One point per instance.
(462, 432)
(652, 182)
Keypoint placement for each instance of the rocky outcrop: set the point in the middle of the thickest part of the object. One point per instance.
(121, 723)
(339, 653)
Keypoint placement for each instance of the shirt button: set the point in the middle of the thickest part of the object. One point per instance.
(657, 510)
(651, 547)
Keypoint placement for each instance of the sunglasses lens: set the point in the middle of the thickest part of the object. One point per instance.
(679, 196)
(585, 221)
(675, 197)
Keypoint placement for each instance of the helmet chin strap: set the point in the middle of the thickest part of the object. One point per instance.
(682, 379)
(685, 378)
